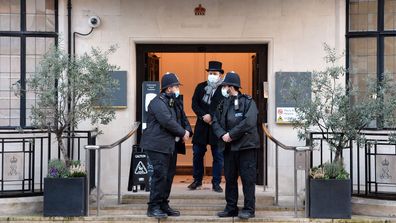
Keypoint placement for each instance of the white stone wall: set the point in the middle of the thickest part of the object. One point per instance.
(294, 30)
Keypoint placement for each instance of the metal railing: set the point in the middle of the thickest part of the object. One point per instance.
(363, 162)
(98, 149)
(298, 151)
(30, 151)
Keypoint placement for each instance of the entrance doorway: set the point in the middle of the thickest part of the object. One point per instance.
(189, 63)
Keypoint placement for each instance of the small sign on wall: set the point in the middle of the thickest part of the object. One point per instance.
(119, 95)
(284, 106)
(285, 114)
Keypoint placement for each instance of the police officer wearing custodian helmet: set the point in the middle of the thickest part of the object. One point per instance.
(167, 130)
(235, 123)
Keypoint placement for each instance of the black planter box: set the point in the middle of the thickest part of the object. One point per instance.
(65, 196)
(329, 198)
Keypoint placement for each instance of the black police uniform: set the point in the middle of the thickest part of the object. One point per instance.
(167, 122)
(237, 115)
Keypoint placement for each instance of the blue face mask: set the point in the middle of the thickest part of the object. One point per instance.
(224, 92)
(177, 93)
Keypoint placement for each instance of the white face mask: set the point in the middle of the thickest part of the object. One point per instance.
(213, 78)
(224, 92)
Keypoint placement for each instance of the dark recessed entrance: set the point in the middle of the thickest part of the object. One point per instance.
(149, 65)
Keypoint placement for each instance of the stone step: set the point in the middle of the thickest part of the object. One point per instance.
(184, 219)
(374, 207)
(193, 213)
(113, 205)
(192, 209)
(187, 199)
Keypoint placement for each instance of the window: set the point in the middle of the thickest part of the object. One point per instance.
(28, 28)
(371, 40)
(363, 15)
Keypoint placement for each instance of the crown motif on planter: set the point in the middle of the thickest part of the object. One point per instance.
(199, 10)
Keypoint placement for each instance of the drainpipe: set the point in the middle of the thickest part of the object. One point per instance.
(69, 45)
(69, 33)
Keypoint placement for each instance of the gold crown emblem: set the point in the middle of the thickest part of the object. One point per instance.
(199, 10)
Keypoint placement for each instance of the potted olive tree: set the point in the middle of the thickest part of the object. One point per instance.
(339, 112)
(68, 91)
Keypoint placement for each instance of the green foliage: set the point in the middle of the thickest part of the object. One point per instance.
(334, 170)
(339, 111)
(83, 81)
(57, 169)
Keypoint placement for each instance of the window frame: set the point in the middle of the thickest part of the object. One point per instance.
(380, 35)
(23, 34)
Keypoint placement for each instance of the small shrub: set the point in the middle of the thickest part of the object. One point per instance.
(57, 169)
(77, 169)
(334, 170)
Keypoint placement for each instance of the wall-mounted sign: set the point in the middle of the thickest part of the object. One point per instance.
(199, 10)
(285, 114)
(119, 95)
(285, 106)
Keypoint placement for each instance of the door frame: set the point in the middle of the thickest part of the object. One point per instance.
(261, 51)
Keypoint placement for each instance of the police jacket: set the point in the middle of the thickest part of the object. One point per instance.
(203, 131)
(166, 120)
(239, 121)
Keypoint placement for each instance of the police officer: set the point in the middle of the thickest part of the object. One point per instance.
(167, 128)
(235, 123)
(207, 96)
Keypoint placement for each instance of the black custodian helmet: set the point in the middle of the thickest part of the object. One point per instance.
(232, 79)
(169, 80)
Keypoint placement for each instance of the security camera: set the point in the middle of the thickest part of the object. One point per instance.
(94, 21)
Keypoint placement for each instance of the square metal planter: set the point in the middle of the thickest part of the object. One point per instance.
(329, 198)
(65, 196)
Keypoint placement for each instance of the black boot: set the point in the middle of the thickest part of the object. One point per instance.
(170, 211)
(246, 215)
(226, 213)
(217, 188)
(194, 185)
(156, 212)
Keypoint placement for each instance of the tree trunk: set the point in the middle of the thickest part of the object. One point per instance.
(338, 154)
(63, 150)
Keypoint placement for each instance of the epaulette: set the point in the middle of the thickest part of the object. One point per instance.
(247, 96)
(162, 97)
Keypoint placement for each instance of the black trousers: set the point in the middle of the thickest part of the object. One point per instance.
(243, 163)
(164, 166)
